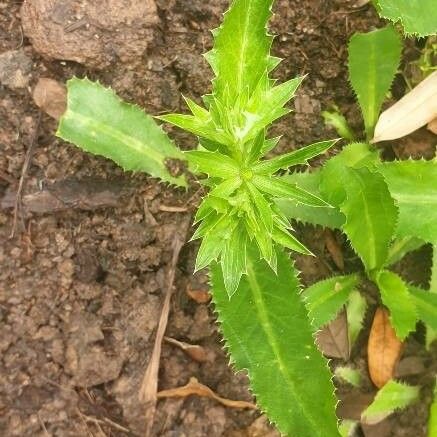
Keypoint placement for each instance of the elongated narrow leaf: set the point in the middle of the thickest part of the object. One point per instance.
(241, 52)
(322, 216)
(300, 156)
(426, 305)
(356, 310)
(373, 61)
(214, 164)
(413, 184)
(348, 374)
(401, 246)
(97, 121)
(280, 188)
(324, 299)
(396, 297)
(416, 109)
(393, 396)
(371, 216)
(418, 17)
(267, 332)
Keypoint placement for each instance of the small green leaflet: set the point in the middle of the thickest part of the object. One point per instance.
(393, 396)
(98, 122)
(426, 305)
(431, 334)
(324, 299)
(396, 297)
(413, 184)
(356, 310)
(401, 246)
(373, 61)
(418, 17)
(338, 121)
(371, 216)
(268, 333)
(348, 374)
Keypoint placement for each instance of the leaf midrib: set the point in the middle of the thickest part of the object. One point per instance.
(260, 308)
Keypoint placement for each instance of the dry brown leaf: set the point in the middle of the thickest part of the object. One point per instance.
(333, 339)
(196, 352)
(334, 249)
(383, 350)
(414, 110)
(51, 97)
(199, 296)
(194, 387)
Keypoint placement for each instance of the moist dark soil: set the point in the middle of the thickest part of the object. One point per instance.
(82, 280)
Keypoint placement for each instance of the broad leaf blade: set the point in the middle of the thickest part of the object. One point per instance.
(324, 299)
(426, 306)
(98, 122)
(393, 396)
(268, 333)
(371, 216)
(413, 184)
(418, 17)
(373, 61)
(396, 297)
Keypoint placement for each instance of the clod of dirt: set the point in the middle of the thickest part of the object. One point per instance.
(51, 97)
(15, 67)
(94, 33)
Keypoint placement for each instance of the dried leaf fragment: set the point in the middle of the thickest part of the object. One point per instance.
(414, 110)
(51, 97)
(194, 387)
(383, 349)
(333, 339)
(196, 352)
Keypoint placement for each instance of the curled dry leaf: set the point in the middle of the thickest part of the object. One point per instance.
(199, 296)
(196, 352)
(414, 110)
(51, 97)
(194, 387)
(333, 339)
(383, 349)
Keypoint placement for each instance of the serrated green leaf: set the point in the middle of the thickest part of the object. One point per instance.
(241, 52)
(324, 299)
(426, 305)
(99, 122)
(373, 61)
(300, 156)
(338, 121)
(431, 334)
(393, 396)
(268, 333)
(348, 374)
(396, 297)
(213, 163)
(280, 188)
(348, 428)
(356, 311)
(418, 17)
(401, 246)
(287, 240)
(371, 216)
(413, 184)
(233, 262)
(323, 216)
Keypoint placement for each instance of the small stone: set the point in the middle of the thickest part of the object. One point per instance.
(15, 67)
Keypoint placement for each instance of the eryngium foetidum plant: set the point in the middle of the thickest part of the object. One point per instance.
(232, 130)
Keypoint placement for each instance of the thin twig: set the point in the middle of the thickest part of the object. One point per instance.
(149, 387)
(24, 169)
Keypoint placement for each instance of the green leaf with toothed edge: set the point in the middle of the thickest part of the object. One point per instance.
(356, 308)
(267, 332)
(417, 17)
(413, 184)
(396, 297)
(393, 396)
(324, 299)
(371, 216)
(99, 122)
(431, 334)
(426, 305)
(374, 58)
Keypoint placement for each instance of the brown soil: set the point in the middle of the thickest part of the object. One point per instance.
(81, 284)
